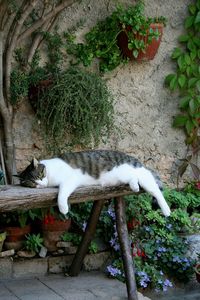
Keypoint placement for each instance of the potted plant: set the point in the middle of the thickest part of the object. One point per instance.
(54, 224)
(16, 225)
(126, 33)
(140, 36)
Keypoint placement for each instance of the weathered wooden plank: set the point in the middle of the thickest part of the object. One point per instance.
(18, 197)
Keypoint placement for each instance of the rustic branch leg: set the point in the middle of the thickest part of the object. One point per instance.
(125, 248)
(88, 235)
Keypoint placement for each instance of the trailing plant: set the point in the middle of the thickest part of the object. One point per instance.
(34, 242)
(102, 40)
(186, 79)
(78, 103)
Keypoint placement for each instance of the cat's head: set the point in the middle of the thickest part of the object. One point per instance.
(32, 174)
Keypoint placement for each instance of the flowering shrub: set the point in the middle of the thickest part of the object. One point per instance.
(159, 252)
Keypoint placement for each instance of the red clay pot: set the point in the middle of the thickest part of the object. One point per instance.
(16, 233)
(150, 50)
(53, 231)
(16, 236)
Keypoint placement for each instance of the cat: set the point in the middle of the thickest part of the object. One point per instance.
(96, 167)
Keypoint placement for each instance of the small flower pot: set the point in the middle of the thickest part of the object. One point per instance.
(15, 236)
(150, 50)
(197, 271)
(53, 231)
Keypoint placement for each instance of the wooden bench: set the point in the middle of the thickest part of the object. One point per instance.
(21, 198)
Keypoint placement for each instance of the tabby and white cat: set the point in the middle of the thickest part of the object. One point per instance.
(85, 168)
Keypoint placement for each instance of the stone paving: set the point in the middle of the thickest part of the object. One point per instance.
(87, 286)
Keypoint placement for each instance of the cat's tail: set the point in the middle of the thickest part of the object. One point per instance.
(148, 183)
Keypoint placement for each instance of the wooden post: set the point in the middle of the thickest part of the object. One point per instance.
(125, 248)
(88, 235)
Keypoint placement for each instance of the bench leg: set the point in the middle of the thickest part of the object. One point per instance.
(86, 240)
(125, 248)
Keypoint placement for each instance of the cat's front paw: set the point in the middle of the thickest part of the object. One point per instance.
(134, 186)
(63, 208)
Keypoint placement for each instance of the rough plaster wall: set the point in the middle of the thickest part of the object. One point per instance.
(146, 107)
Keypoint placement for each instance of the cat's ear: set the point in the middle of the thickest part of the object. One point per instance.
(35, 163)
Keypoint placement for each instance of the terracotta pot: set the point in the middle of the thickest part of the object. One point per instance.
(150, 50)
(53, 231)
(197, 271)
(15, 236)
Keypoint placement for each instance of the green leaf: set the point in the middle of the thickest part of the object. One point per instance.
(180, 121)
(181, 62)
(193, 54)
(197, 19)
(189, 21)
(187, 59)
(173, 83)
(181, 80)
(192, 82)
(191, 45)
(192, 8)
(192, 106)
(189, 126)
(189, 71)
(183, 38)
(198, 85)
(176, 53)
(184, 102)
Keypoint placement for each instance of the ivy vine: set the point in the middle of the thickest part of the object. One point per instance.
(186, 79)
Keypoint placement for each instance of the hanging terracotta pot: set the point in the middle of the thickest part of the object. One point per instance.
(150, 50)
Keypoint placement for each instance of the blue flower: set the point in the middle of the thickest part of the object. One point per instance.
(168, 283)
(113, 271)
(111, 212)
(84, 225)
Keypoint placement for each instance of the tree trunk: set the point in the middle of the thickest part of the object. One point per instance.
(6, 114)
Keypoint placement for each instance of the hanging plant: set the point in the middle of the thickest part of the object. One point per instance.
(77, 103)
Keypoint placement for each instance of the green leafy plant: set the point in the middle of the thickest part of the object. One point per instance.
(78, 103)
(17, 218)
(34, 242)
(102, 40)
(186, 79)
(159, 251)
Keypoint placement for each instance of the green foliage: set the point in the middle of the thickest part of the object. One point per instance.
(78, 103)
(69, 102)
(71, 237)
(158, 247)
(101, 41)
(187, 76)
(33, 242)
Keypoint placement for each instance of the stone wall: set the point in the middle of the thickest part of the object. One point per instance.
(144, 107)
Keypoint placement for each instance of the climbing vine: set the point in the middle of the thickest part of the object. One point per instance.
(186, 79)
